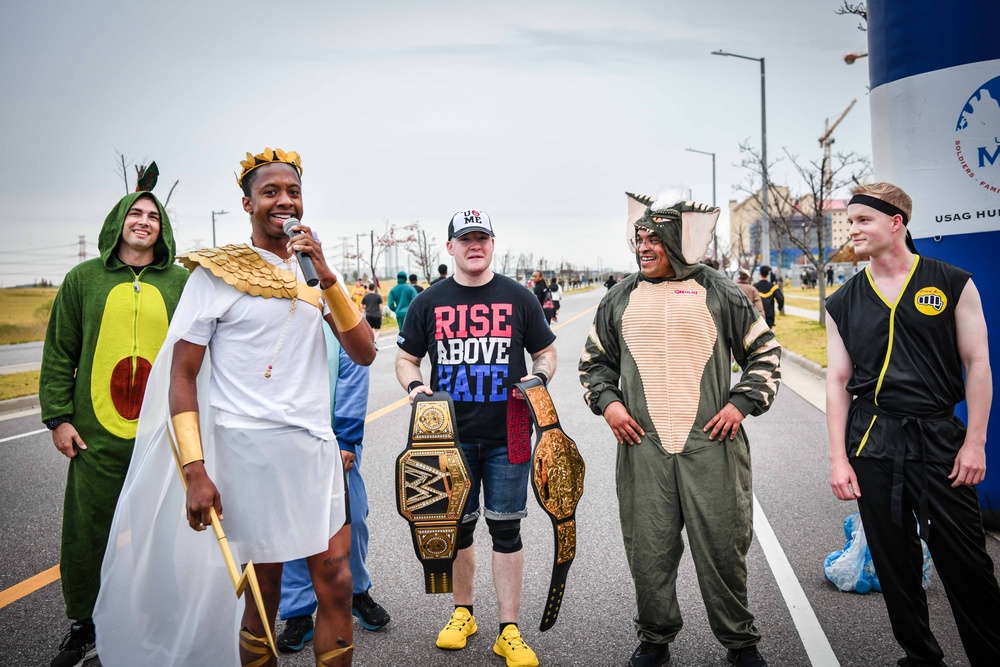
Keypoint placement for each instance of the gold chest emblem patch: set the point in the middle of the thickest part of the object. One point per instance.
(930, 301)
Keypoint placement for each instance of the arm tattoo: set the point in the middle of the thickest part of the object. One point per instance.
(546, 364)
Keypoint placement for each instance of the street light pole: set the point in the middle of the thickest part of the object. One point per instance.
(765, 222)
(715, 237)
(215, 213)
(357, 241)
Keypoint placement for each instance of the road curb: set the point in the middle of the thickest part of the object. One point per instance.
(802, 362)
(19, 404)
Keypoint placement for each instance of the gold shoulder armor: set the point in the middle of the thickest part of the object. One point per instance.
(240, 266)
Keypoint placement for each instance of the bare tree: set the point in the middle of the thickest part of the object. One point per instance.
(739, 247)
(171, 193)
(390, 237)
(421, 247)
(140, 170)
(725, 256)
(856, 9)
(124, 169)
(525, 264)
(802, 219)
(506, 261)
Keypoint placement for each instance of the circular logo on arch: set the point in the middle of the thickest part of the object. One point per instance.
(977, 140)
(930, 301)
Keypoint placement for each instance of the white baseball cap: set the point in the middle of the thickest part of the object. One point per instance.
(472, 220)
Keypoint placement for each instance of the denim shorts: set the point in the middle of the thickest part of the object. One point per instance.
(505, 485)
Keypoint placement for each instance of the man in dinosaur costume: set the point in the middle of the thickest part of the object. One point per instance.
(107, 324)
(243, 381)
(656, 366)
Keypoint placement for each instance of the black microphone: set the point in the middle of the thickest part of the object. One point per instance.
(305, 261)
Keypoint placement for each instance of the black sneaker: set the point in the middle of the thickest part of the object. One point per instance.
(748, 656)
(648, 654)
(298, 630)
(370, 613)
(77, 647)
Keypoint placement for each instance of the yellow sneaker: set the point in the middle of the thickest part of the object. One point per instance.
(462, 624)
(511, 646)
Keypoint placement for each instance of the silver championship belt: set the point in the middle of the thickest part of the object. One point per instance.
(557, 472)
(432, 487)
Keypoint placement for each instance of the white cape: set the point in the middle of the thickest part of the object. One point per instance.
(166, 598)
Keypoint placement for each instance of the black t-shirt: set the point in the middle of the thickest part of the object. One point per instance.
(476, 338)
(372, 301)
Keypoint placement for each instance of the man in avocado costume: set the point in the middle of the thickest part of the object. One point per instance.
(107, 324)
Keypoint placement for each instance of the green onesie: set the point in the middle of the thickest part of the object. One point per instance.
(662, 348)
(105, 330)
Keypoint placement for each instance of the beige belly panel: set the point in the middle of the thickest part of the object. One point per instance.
(671, 335)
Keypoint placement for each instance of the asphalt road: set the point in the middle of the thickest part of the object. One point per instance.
(20, 357)
(804, 620)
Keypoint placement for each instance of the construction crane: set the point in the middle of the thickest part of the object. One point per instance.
(825, 142)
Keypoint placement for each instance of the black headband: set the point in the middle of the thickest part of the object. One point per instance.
(888, 209)
(879, 205)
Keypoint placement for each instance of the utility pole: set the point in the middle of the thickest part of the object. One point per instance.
(345, 251)
(825, 142)
(83, 249)
(357, 240)
(215, 213)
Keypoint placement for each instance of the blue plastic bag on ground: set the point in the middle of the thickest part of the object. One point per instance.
(851, 568)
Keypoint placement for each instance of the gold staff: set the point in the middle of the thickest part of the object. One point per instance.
(239, 580)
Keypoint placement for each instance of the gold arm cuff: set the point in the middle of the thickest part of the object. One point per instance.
(345, 314)
(188, 437)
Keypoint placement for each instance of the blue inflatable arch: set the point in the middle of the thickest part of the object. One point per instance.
(934, 69)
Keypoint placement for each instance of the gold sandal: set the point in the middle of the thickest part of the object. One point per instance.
(257, 645)
(321, 659)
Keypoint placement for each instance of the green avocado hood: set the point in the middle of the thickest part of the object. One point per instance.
(111, 233)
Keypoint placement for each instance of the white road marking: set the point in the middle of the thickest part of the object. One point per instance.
(810, 631)
(22, 435)
(813, 390)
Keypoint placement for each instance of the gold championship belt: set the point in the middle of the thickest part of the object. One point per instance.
(432, 487)
(557, 471)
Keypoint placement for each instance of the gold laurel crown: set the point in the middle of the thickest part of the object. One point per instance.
(267, 157)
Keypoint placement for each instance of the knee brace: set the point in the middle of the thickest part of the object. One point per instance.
(466, 533)
(506, 535)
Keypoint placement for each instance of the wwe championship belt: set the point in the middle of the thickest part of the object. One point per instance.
(557, 471)
(432, 487)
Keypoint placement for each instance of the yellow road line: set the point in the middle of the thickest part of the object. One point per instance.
(28, 586)
(32, 584)
(381, 412)
(575, 317)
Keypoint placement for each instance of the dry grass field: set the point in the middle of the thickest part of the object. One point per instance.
(24, 313)
(16, 385)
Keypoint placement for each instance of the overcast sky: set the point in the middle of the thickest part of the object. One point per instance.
(541, 114)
